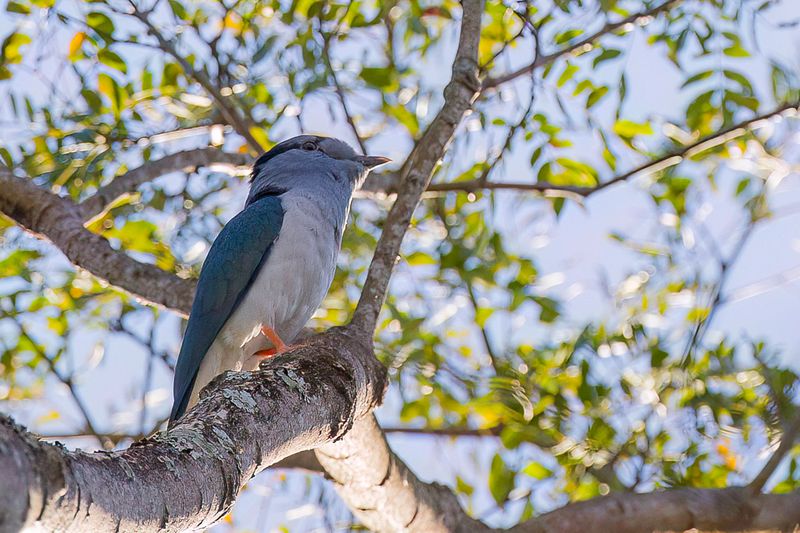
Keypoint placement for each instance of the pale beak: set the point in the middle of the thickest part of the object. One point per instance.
(372, 161)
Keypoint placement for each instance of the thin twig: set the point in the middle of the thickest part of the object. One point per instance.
(326, 56)
(242, 125)
(543, 60)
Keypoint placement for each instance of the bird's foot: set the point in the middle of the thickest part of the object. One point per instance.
(276, 341)
(269, 352)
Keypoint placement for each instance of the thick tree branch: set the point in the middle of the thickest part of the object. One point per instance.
(587, 42)
(131, 180)
(188, 477)
(383, 493)
(58, 219)
(377, 486)
(732, 509)
(459, 96)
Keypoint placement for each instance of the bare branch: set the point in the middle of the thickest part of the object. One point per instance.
(45, 214)
(447, 432)
(459, 96)
(131, 180)
(326, 56)
(587, 42)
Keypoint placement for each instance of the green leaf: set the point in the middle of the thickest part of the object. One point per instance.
(537, 471)
(101, 23)
(595, 96)
(700, 76)
(501, 480)
(736, 51)
(628, 128)
(111, 59)
(382, 78)
(16, 7)
(421, 258)
(549, 311)
(606, 55)
(567, 36)
(567, 75)
(10, 51)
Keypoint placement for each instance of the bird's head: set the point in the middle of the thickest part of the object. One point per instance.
(306, 159)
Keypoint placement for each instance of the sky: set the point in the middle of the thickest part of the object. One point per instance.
(574, 249)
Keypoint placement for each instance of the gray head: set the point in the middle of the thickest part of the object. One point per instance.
(310, 162)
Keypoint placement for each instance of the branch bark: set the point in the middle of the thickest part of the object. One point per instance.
(188, 477)
(731, 509)
(459, 95)
(383, 493)
(46, 214)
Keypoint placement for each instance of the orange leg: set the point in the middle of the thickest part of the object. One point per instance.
(279, 345)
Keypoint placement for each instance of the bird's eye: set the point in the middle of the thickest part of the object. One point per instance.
(309, 146)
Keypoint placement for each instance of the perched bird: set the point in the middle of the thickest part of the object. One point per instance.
(272, 264)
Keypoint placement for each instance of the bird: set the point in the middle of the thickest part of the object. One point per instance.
(272, 264)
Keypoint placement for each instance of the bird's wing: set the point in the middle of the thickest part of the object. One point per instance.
(232, 265)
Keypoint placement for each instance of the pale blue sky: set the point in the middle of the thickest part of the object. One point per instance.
(575, 247)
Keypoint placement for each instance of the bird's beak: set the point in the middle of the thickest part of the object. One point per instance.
(372, 161)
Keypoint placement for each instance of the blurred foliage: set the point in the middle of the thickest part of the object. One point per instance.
(474, 334)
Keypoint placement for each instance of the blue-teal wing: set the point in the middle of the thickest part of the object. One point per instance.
(232, 264)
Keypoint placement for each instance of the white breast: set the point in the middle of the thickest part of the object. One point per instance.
(287, 291)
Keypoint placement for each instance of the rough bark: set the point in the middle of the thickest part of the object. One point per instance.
(59, 220)
(418, 169)
(188, 477)
(383, 493)
(731, 509)
(310, 399)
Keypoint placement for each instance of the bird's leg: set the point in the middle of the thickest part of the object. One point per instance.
(279, 345)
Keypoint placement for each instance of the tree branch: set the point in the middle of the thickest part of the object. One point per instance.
(383, 493)
(326, 56)
(459, 96)
(731, 509)
(543, 60)
(188, 477)
(377, 486)
(788, 439)
(45, 214)
(390, 182)
(131, 180)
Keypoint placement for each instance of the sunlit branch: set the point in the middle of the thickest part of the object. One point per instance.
(729, 509)
(60, 220)
(459, 96)
(326, 56)
(725, 267)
